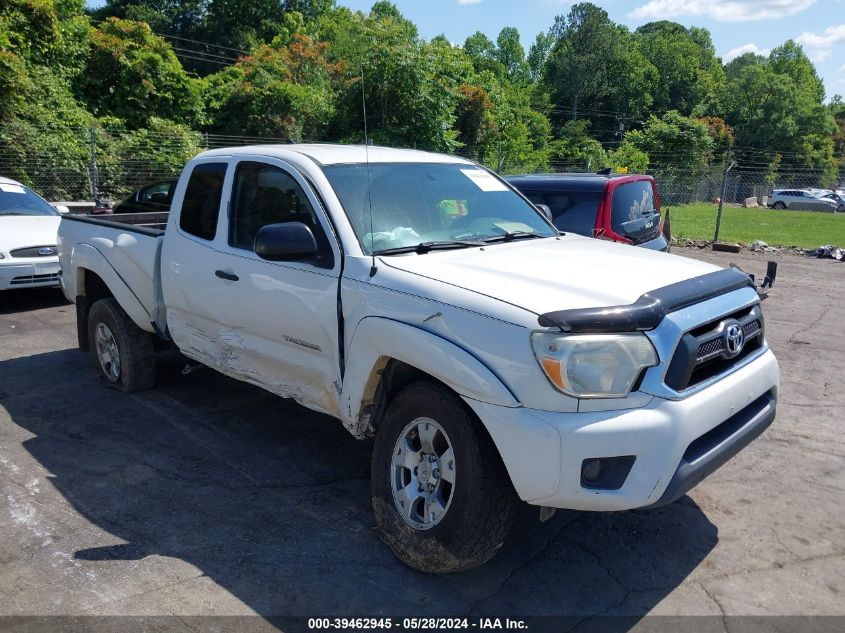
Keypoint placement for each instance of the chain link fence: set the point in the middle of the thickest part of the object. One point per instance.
(90, 163)
(678, 185)
(86, 163)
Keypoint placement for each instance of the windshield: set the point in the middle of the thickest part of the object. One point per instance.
(415, 203)
(19, 200)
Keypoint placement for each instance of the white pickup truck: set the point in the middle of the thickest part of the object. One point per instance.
(419, 299)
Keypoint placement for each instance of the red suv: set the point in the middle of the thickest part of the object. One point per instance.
(619, 207)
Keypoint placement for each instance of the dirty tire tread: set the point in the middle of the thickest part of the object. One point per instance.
(137, 353)
(476, 525)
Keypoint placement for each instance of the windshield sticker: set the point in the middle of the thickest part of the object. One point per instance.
(9, 188)
(511, 227)
(484, 180)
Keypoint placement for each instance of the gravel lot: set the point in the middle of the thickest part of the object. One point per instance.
(209, 496)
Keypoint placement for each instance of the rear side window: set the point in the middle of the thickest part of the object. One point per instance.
(631, 200)
(202, 200)
(572, 211)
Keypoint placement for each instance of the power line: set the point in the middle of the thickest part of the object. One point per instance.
(185, 39)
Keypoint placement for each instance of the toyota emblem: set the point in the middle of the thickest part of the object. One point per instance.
(734, 339)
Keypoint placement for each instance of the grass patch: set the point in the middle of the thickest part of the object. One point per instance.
(804, 229)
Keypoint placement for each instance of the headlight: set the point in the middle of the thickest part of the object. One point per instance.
(593, 365)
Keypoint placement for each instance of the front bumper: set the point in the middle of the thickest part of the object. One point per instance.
(676, 442)
(40, 274)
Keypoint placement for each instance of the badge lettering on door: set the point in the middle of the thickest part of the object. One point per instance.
(302, 343)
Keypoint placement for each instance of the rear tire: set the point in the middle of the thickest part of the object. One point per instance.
(427, 438)
(123, 354)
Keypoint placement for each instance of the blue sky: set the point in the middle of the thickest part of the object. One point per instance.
(736, 25)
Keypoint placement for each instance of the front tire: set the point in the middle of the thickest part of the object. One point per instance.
(123, 353)
(441, 496)
(778, 205)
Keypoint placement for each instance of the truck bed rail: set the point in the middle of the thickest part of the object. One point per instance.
(152, 224)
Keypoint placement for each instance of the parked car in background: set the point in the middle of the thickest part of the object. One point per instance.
(152, 198)
(800, 199)
(618, 207)
(838, 198)
(28, 228)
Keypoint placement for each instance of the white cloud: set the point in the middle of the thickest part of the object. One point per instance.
(468, 1)
(742, 50)
(832, 35)
(725, 10)
(820, 45)
(820, 55)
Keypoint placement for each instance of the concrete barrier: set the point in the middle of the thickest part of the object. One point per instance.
(750, 202)
(76, 206)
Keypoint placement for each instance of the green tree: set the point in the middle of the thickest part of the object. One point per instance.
(482, 52)
(184, 18)
(411, 87)
(774, 106)
(720, 132)
(837, 109)
(43, 128)
(673, 139)
(128, 159)
(474, 120)
(53, 33)
(574, 148)
(510, 54)
(538, 54)
(586, 44)
(517, 139)
(629, 157)
(685, 61)
(132, 74)
(285, 92)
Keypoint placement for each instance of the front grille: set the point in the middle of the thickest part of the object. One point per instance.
(702, 352)
(34, 279)
(716, 346)
(33, 251)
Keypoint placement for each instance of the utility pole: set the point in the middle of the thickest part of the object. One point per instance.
(94, 175)
(729, 164)
(501, 157)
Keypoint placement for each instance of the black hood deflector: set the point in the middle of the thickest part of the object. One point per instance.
(648, 311)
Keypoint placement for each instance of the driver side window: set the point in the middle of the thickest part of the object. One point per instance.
(265, 194)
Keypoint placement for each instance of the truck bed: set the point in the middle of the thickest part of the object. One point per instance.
(121, 249)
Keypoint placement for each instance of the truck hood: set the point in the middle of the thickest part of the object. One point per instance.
(20, 231)
(545, 275)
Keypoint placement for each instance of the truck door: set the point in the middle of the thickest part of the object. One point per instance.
(278, 320)
(190, 255)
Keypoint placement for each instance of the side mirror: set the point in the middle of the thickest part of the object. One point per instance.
(545, 210)
(285, 242)
(61, 208)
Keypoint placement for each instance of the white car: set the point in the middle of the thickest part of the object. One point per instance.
(28, 228)
(420, 299)
(801, 200)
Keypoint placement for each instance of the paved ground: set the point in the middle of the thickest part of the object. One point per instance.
(208, 496)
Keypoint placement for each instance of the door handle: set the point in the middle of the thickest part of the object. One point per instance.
(224, 275)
